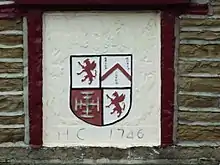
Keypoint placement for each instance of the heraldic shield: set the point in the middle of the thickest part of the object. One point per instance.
(101, 88)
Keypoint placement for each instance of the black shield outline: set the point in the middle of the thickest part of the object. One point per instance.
(100, 88)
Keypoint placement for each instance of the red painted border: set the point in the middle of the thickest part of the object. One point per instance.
(35, 77)
(167, 76)
(199, 9)
(9, 12)
(34, 22)
(101, 2)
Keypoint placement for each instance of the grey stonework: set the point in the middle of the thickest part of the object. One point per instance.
(113, 156)
(198, 95)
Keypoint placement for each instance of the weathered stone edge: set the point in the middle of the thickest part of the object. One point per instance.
(93, 155)
(115, 162)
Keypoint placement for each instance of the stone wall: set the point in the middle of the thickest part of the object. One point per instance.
(197, 111)
(11, 81)
(198, 84)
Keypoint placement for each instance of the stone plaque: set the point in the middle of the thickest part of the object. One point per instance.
(101, 79)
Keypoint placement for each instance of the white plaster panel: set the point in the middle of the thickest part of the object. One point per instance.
(97, 33)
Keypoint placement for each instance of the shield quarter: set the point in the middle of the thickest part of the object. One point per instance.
(101, 88)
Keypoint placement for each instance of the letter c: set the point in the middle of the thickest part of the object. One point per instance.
(78, 132)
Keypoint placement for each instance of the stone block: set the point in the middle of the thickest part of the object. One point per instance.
(200, 35)
(12, 24)
(197, 101)
(11, 53)
(191, 84)
(11, 134)
(199, 116)
(186, 67)
(216, 9)
(190, 22)
(11, 103)
(11, 39)
(7, 120)
(198, 133)
(199, 51)
(11, 67)
(11, 84)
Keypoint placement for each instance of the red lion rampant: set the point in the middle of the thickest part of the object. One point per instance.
(88, 68)
(116, 102)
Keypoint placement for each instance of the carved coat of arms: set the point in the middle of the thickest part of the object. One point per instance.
(101, 88)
